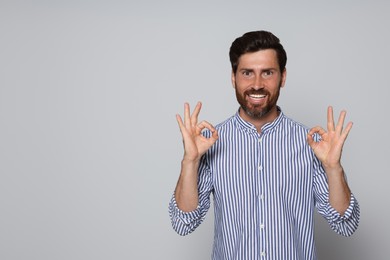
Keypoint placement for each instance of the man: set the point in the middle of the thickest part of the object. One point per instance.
(266, 172)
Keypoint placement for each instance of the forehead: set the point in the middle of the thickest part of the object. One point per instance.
(263, 59)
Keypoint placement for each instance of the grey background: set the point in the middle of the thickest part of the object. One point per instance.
(89, 147)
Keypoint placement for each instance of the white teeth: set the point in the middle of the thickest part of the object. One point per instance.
(257, 96)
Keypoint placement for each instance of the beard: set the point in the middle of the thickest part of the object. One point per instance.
(257, 111)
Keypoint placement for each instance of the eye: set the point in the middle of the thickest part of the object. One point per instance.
(268, 73)
(246, 73)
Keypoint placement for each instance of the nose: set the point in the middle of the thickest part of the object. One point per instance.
(258, 84)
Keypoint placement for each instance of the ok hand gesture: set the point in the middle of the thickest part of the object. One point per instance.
(195, 144)
(329, 149)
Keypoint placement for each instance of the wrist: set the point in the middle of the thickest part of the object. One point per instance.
(334, 170)
(190, 159)
(190, 162)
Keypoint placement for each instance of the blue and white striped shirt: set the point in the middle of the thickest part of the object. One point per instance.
(265, 187)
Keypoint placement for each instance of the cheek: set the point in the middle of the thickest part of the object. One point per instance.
(242, 84)
(240, 89)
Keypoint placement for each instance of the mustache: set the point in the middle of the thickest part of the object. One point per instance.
(256, 92)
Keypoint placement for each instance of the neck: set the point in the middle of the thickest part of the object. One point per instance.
(259, 122)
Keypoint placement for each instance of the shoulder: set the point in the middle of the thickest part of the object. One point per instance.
(288, 122)
(228, 123)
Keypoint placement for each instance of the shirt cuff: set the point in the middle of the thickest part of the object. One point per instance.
(186, 217)
(336, 217)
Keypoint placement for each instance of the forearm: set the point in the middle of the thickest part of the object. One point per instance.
(186, 192)
(339, 192)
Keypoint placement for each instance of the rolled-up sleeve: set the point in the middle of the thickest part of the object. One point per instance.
(347, 223)
(186, 222)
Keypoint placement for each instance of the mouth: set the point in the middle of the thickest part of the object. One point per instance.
(257, 96)
(257, 99)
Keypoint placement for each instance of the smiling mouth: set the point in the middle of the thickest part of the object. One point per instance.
(256, 96)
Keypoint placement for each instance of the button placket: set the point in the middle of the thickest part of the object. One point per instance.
(260, 170)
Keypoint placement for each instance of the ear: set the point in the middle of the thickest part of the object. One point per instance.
(284, 76)
(233, 80)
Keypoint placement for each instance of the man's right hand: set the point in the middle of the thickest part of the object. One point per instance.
(195, 144)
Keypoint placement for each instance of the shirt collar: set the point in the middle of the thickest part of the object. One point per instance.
(250, 127)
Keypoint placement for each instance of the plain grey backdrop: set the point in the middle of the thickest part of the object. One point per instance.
(89, 146)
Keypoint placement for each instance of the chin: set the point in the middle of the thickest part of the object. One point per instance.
(254, 113)
(258, 112)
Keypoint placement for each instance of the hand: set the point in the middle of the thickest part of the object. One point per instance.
(195, 144)
(329, 149)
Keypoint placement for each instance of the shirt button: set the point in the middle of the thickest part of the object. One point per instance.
(260, 168)
(262, 226)
(262, 254)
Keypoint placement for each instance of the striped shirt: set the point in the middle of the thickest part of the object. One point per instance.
(265, 188)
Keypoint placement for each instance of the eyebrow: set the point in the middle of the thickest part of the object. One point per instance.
(262, 70)
(245, 69)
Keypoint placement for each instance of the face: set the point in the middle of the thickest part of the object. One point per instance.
(257, 82)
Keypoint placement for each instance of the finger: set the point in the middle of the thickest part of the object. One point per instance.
(317, 130)
(340, 123)
(310, 140)
(180, 122)
(205, 125)
(195, 114)
(187, 117)
(214, 133)
(309, 137)
(346, 131)
(330, 123)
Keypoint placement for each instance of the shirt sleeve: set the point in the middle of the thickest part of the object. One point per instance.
(185, 223)
(345, 224)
